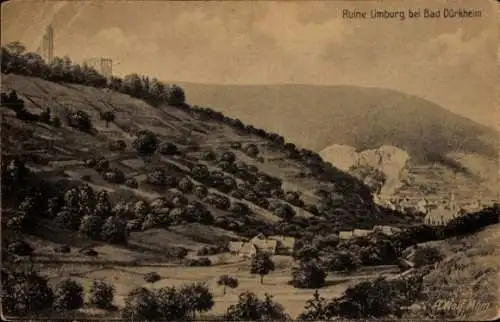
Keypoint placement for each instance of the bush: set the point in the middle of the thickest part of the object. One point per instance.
(145, 143)
(208, 156)
(316, 309)
(68, 219)
(200, 191)
(102, 294)
(107, 116)
(44, 117)
(118, 145)
(114, 230)
(179, 252)
(284, 211)
(20, 248)
(114, 176)
(376, 299)
(25, 293)
(176, 96)
(201, 262)
(250, 308)
(251, 150)
(200, 172)
(227, 281)
(168, 148)
(90, 226)
(261, 264)
(308, 275)
(228, 156)
(197, 298)
(132, 183)
(306, 253)
(79, 120)
(141, 304)
(427, 256)
(55, 122)
(68, 295)
(185, 185)
(342, 261)
(152, 277)
(102, 165)
(239, 208)
(157, 177)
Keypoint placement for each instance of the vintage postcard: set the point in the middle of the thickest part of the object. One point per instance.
(249, 160)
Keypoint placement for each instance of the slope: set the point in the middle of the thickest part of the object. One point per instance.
(60, 153)
(364, 118)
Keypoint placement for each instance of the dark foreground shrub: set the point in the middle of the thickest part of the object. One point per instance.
(68, 295)
(102, 294)
(152, 277)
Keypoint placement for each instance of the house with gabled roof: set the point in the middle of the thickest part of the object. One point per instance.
(285, 244)
(361, 232)
(344, 235)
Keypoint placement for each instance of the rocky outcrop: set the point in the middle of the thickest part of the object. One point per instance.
(388, 159)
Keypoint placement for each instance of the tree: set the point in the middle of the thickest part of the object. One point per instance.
(172, 306)
(68, 219)
(307, 253)
(114, 230)
(252, 150)
(45, 116)
(426, 256)
(284, 211)
(107, 116)
(197, 298)
(200, 172)
(145, 142)
(228, 156)
(185, 185)
(132, 85)
(141, 305)
(227, 281)
(250, 308)
(68, 295)
(102, 294)
(25, 293)
(167, 148)
(79, 119)
(157, 90)
(15, 48)
(152, 277)
(103, 206)
(308, 275)
(342, 261)
(90, 226)
(316, 309)
(200, 191)
(261, 264)
(176, 96)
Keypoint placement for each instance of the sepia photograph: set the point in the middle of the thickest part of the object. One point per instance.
(250, 160)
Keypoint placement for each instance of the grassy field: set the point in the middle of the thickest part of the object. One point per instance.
(276, 283)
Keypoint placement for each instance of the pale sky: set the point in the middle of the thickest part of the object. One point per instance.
(452, 62)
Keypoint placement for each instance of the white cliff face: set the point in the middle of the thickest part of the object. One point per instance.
(388, 159)
(341, 156)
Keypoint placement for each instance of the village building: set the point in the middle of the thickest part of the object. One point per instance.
(344, 235)
(441, 215)
(361, 232)
(387, 230)
(285, 244)
(274, 245)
